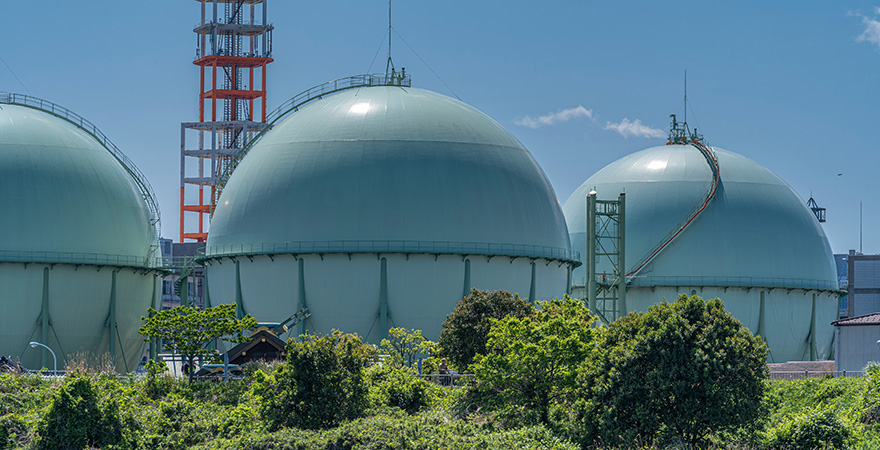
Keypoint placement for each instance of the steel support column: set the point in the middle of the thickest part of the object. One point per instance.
(591, 252)
(301, 302)
(44, 316)
(467, 278)
(383, 299)
(621, 255)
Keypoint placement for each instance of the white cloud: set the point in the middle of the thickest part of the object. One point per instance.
(871, 34)
(562, 116)
(634, 129)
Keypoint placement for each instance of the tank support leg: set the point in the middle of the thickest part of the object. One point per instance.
(532, 286)
(813, 353)
(111, 319)
(762, 332)
(467, 278)
(44, 328)
(301, 302)
(383, 300)
(154, 351)
(239, 302)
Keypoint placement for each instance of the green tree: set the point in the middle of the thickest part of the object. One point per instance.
(77, 419)
(676, 372)
(321, 384)
(466, 329)
(403, 347)
(531, 363)
(188, 330)
(399, 387)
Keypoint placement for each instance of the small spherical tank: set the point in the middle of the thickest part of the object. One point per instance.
(380, 207)
(76, 244)
(756, 245)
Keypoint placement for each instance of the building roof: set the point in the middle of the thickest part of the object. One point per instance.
(800, 366)
(865, 319)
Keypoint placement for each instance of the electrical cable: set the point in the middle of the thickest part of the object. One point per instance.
(16, 76)
(426, 64)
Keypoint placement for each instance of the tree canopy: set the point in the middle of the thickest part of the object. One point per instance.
(403, 347)
(188, 330)
(679, 371)
(321, 384)
(531, 363)
(466, 329)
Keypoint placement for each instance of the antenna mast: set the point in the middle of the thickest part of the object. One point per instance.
(389, 67)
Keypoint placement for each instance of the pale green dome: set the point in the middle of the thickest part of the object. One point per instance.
(389, 169)
(65, 197)
(755, 232)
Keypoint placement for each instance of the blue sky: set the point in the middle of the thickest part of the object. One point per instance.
(792, 85)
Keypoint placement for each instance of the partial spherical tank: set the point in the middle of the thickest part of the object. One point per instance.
(756, 245)
(380, 207)
(77, 243)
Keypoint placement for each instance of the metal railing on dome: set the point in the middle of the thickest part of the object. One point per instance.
(97, 259)
(139, 179)
(305, 97)
(770, 282)
(426, 247)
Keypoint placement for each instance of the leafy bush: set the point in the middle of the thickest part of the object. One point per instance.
(814, 428)
(76, 418)
(675, 373)
(531, 363)
(400, 388)
(466, 329)
(403, 347)
(321, 384)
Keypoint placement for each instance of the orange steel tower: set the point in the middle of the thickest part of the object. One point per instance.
(234, 45)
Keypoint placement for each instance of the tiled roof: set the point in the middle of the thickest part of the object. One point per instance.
(867, 319)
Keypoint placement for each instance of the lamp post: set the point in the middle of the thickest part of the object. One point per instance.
(54, 359)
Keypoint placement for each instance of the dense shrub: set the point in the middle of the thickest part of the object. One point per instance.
(466, 329)
(531, 363)
(76, 419)
(400, 388)
(321, 384)
(814, 428)
(674, 373)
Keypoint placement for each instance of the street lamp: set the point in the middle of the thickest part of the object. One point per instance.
(54, 359)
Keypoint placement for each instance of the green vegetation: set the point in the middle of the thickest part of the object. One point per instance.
(321, 384)
(531, 363)
(682, 375)
(676, 372)
(466, 329)
(188, 330)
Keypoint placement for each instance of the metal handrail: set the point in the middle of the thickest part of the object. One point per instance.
(36, 256)
(136, 175)
(305, 97)
(712, 160)
(734, 281)
(413, 247)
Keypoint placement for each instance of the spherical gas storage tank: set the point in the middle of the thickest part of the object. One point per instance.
(756, 245)
(383, 206)
(77, 240)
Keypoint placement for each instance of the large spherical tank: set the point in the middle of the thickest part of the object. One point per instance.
(756, 245)
(380, 207)
(76, 244)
